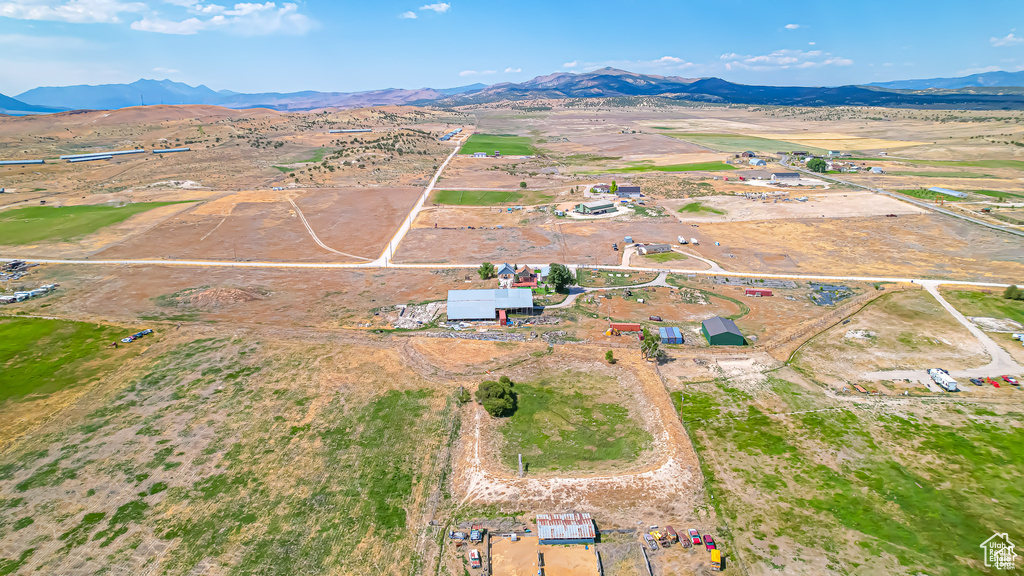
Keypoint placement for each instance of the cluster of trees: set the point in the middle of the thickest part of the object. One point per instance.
(650, 348)
(497, 398)
(560, 277)
(486, 271)
(1013, 293)
(817, 165)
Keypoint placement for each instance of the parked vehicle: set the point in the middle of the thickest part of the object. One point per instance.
(650, 542)
(977, 382)
(475, 535)
(709, 542)
(615, 246)
(694, 536)
(716, 560)
(671, 533)
(474, 558)
(457, 535)
(654, 318)
(943, 379)
(1011, 380)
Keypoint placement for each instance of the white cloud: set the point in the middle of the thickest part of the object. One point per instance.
(410, 15)
(468, 73)
(791, 26)
(1008, 40)
(73, 11)
(440, 7)
(159, 70)
(244, 19)
(811, 43)
(784, 59)
(978, 70)
(670, 60)
(511, 70)
(44, 43)
(572, 64)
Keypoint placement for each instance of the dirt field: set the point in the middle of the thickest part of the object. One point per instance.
(838, 204)
(519, 558)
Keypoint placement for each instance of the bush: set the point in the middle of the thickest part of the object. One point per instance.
(1013, 293)
(609, 357)
(497, 397)
(486, 270)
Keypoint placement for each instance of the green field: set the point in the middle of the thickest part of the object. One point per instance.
(922, 485)
(559, 425)
(603, 278)
(996, 193)
(972, 303)
(697, 208)
(665, 257)
(40, 223)
(507, 145)
(648, 167)
(40, 356)
(925, 194)
(1014, 164)
(489, 197)
(741, 143)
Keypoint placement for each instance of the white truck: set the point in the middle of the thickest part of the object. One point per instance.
(682, 240)
(694, 241)
(943, 379)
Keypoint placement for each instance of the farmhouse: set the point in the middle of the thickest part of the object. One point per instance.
(506, 275)
(525, 278)
(722, 332)
(596, 207)
(488, 304)
(628, 192)
(784, 177)
(655, 248)
(601, 188)
(574, 528)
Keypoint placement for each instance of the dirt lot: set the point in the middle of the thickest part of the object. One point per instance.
(519, 558)
(837, 204)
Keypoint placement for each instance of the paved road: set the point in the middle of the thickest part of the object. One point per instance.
(907, 199)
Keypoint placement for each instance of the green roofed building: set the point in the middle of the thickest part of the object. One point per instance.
(596, 207)
(722, 332)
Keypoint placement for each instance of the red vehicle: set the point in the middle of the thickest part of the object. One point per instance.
(1011, 380)
(694, 536)
(709, 542)
(474, 558)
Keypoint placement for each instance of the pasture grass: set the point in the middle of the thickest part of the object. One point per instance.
(974, 303)
(39, 223)
(907, 482)
(697, 208)
(41, 356)
(665, 257)
(490, 197)
(560, 425)
(942, 174)
(507, 145)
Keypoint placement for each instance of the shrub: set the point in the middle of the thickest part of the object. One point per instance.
(497, 397)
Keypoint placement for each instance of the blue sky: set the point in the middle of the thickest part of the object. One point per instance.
(349, 46)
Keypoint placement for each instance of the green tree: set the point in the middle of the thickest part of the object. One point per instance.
(609, 357)
(486, 270)
(1013, 293)
(614, 187)
(560, 277)
(650, 348)
(817, 165)
(522, 184)
(497, 397)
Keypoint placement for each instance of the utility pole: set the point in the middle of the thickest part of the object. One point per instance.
(520, 465)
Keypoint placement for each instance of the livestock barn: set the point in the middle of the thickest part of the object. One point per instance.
(722, 332)
(572, 528)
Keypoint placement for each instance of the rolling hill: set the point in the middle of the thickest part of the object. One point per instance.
(988, 79)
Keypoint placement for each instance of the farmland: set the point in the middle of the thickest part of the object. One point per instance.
(39, 223)
(854, 486)
(741, 143)
(489, 197)
(690, 167)
(491, 143)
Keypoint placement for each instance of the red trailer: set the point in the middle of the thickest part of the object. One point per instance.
(758, 292)
(626, 327)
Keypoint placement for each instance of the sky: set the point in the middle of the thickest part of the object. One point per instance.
(346, 46)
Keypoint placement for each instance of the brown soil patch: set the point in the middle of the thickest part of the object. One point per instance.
(454, 354)
(519, 558)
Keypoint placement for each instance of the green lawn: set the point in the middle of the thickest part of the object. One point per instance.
(665, 257)
(995, 193)
(697, 207)
(925, 484)
(741, 143)
(560, 426)
(924, 194)
(43, 356)
(39, 223)
(489, 197)
(648, 167)
(507, 145)
(602, 278)
(972, 303)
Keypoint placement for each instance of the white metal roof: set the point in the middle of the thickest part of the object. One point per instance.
(479, 304)
(573, 526)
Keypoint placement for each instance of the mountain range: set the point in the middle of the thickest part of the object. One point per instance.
(993, 90)
(988, 79)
